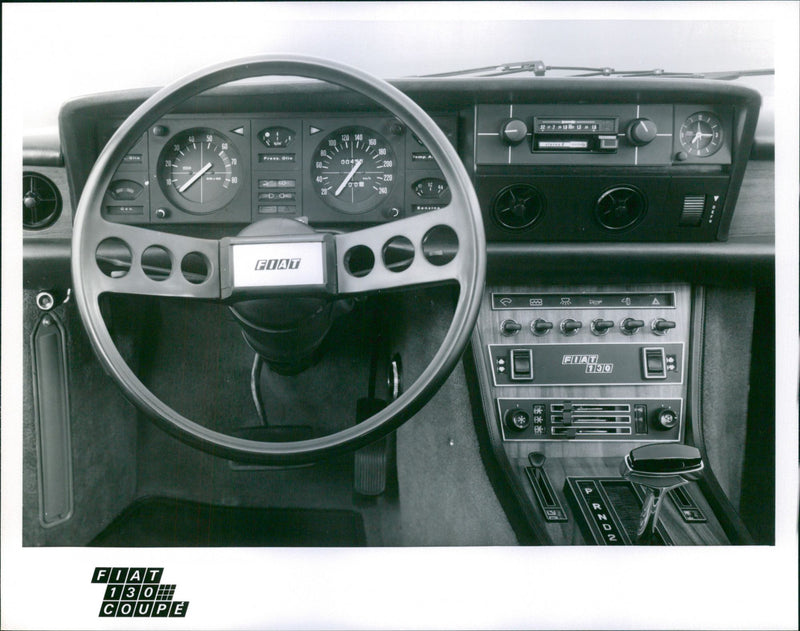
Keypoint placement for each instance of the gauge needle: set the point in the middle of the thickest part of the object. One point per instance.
(349, 177)
(194, 178)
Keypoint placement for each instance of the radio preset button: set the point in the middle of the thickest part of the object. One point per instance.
(607, 143)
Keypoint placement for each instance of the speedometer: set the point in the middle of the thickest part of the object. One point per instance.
(353, 170)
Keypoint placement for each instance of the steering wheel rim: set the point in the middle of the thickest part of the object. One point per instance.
(464, 210)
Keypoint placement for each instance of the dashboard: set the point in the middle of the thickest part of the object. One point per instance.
(608, 208)
(597, 161)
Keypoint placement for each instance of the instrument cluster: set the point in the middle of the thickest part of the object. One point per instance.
(225, 169)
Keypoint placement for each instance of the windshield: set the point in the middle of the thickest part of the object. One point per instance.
(121, 46)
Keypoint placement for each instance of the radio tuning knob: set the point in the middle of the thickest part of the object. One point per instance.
(641, 131)
(513, 131)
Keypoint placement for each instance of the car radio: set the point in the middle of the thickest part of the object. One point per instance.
(581, 134)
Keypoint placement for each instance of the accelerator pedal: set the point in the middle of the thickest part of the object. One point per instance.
(371, 462)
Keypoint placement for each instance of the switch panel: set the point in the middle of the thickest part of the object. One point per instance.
(586, 364)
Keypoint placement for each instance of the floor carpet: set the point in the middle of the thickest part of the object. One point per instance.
(164, 522)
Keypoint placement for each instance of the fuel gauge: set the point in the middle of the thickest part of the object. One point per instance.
(124, 190)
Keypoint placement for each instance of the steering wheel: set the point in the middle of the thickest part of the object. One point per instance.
(447, 244)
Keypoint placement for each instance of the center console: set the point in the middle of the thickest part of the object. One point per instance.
(572, 378)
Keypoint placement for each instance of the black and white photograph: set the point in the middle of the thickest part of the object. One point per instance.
(400, 315)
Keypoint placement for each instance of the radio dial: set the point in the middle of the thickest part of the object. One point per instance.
(641, 131)
(513, 131)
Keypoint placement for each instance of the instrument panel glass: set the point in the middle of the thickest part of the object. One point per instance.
(354, 169)
(199, 170)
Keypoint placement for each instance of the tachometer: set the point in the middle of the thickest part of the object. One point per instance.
(353, 169)
(199, 170)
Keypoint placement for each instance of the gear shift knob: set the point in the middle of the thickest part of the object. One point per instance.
(659, 468)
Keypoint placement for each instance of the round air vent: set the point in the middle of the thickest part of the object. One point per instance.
(620, 207)
(518, 206)
(41, 201)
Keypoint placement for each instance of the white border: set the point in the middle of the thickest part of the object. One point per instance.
(433, 588)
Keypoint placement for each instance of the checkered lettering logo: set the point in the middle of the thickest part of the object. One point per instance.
(137, 592)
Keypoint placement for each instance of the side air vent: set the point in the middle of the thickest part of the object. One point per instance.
(518, 206)
(41, 201)
(620, 207)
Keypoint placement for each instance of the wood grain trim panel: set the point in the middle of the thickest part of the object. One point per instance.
(755, 210)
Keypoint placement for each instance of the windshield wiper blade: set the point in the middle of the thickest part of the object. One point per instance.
(737, 74)
(536, 67)
(540, 69)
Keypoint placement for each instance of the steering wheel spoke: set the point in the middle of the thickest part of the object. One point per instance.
(419, 250)
(130, 260)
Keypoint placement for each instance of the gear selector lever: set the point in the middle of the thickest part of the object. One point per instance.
(659, 468)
